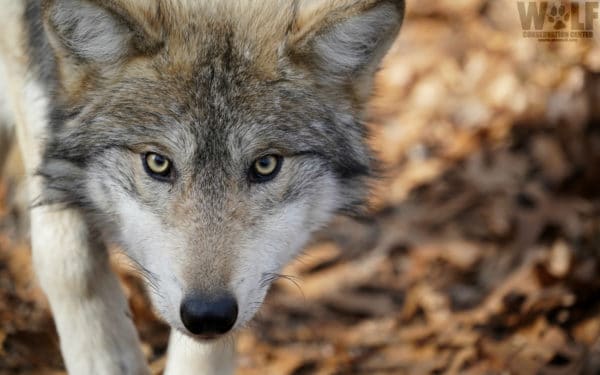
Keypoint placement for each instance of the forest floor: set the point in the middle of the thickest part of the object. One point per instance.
(481, 253)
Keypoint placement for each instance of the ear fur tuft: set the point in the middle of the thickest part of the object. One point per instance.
(95, 31)
(344, 41)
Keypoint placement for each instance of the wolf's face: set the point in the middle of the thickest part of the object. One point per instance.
(210, 139)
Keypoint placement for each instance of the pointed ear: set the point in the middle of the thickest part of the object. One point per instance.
(95, 31)
(344, 41)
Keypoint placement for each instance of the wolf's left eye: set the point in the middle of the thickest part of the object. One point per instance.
(157, 166)
(265, 168)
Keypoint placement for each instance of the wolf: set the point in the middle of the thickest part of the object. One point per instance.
(208, 139)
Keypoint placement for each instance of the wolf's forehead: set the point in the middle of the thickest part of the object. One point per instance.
(212, 112)
(197, 30)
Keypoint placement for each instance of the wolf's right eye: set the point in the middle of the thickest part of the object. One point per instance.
(266, 168)
(157, 166)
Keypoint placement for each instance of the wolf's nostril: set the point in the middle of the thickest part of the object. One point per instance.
(209, 316)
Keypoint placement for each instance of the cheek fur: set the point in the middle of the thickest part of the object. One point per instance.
(281, 238)
(155, 248)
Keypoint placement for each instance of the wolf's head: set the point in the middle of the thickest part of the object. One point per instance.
(211, 138)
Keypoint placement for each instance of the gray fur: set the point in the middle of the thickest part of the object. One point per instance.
(213, 112)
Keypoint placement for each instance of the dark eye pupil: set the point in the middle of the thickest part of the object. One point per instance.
(159, 160)
(265, 162)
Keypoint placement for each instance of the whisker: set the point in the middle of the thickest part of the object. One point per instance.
(145, 274)
(270, 277)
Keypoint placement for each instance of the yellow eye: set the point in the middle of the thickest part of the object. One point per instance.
(266, 168)
(157, 165)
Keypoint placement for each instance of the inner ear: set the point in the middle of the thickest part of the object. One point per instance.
(353, 44)
(94, 31)
(343, 41)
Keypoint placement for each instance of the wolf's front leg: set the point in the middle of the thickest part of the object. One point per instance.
(188, 357)
(91, 313)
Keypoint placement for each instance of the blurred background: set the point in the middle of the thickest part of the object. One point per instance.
(481, 252)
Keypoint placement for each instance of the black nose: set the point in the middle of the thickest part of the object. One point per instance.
(209, 316)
